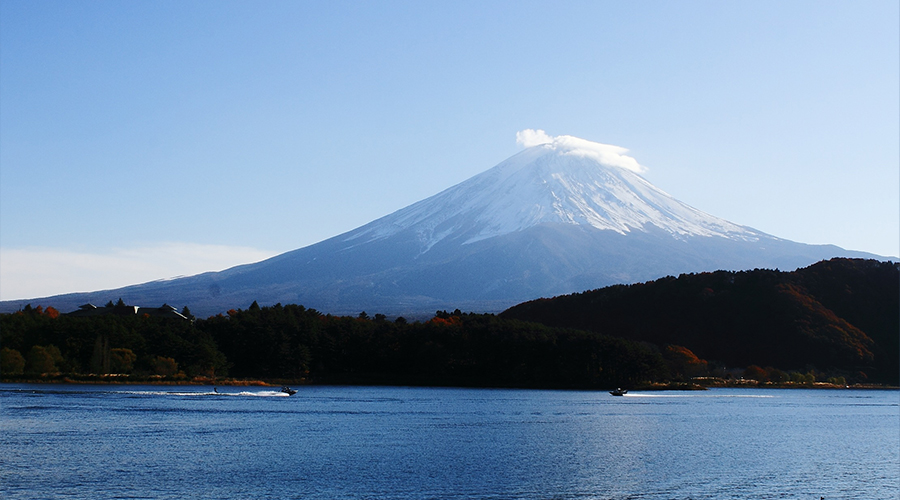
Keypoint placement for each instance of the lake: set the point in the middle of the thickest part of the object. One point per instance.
(116, 442)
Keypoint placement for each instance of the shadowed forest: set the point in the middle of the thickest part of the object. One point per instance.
(294, 343)
(835, 321)
(837, 315)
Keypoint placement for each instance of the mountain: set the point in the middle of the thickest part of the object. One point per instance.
(839, 314)
(559, 217)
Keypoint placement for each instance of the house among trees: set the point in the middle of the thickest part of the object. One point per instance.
(121, 309)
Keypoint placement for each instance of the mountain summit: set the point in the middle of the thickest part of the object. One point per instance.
(568, 181)
(563, 215)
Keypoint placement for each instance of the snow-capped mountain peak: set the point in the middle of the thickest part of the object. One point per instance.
(563, 215)
(555, 180)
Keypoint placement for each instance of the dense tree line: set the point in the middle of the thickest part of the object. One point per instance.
(450, 349)
(41, 340)
(293, 342)
(841, 316)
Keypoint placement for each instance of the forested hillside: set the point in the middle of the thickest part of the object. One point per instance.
(841, 314)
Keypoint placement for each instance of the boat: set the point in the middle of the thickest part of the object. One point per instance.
(287, 390)
(619, 392)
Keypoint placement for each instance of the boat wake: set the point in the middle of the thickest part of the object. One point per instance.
(698, 395)
(258, 394)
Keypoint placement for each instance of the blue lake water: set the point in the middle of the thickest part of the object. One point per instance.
(113, 442)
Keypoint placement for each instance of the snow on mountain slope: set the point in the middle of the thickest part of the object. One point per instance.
(566, 181)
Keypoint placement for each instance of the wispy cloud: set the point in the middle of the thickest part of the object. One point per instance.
(40, 272)
(606, 154)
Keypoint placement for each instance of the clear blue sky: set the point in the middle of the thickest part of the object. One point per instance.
(173, 137)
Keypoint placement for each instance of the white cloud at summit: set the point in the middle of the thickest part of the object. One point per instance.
(606, 154)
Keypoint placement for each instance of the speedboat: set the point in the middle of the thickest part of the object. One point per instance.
(287, 390)
(619, 392)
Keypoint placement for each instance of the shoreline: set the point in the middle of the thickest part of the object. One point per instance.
(125, 380)
(753, 384)
(232, 382)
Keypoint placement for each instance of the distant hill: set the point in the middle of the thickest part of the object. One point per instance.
(557, 218)
(840, 314)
